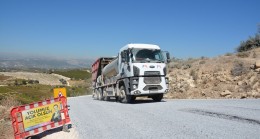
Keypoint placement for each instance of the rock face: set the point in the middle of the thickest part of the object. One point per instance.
(221, 77)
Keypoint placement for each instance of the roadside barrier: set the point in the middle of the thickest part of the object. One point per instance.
(35, 118)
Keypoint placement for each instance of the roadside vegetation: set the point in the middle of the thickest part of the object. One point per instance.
(74, 74)
(251, 43)
(28, 91)
(6, 130)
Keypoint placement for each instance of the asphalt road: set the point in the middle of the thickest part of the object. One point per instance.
(230, 119)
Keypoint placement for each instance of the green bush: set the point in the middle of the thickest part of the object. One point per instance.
(228, 54)
(250, 43)
(76, 74)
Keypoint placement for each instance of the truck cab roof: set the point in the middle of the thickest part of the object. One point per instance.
(136, 45)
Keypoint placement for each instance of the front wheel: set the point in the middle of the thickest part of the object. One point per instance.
(124, 98)
(157, 98)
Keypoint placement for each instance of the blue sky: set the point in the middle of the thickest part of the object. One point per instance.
(83, 29)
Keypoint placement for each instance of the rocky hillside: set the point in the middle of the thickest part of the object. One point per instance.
(228, 76)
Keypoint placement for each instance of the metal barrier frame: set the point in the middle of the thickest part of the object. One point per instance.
(17, 120)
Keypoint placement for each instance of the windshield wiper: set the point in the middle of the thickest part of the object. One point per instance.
(158, 61)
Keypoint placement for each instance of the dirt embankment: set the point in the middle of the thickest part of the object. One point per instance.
(43, 78)
(228, 76)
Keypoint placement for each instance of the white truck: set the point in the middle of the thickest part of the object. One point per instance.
(138, 70)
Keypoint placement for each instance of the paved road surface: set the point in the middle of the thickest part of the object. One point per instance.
(235, 119)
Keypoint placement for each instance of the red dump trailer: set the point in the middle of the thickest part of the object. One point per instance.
(97, 67)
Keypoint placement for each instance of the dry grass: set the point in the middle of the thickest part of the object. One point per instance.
(243, 54)
(6, 130)
(2, 77)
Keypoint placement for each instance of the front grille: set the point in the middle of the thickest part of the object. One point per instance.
(152, 87)
(152, 77)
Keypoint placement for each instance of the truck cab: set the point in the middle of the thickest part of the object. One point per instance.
(144, 66)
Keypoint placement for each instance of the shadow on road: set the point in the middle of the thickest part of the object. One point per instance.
(45, 133)
(146, 101)
(138, 101)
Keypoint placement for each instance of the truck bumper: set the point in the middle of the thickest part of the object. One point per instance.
(140, 88)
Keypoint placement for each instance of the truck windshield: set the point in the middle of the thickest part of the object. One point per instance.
(147, 55)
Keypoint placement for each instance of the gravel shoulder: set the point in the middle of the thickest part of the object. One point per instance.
(73, 134)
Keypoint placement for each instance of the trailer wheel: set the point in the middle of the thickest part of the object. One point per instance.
(100, 95)
(94, 94)
(157, 98)
(124, 98)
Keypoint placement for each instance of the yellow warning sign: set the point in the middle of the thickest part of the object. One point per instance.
(41, 116)
(58, 92)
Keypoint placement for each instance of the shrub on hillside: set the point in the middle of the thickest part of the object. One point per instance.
(242, 54)
(228, 54)
(202, 62)
(194, 74)
(250, 43)
(238, 69)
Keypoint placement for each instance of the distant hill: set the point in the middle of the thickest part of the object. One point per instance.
(23, 62)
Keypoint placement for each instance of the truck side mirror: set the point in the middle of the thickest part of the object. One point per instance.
(168, 57)
(127, 58)
(124, 56)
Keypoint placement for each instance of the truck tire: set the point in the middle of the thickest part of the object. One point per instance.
(97, 95)
(100, 94)
(133, 98)
(157, 98)
(124, 98)
(94, 94)
(106, 98)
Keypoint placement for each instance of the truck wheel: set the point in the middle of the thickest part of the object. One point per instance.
(94, 94)
(157, 98)
(124, 98)
(100, 95)
(133, 98)
(106, 98)
(97, 95)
